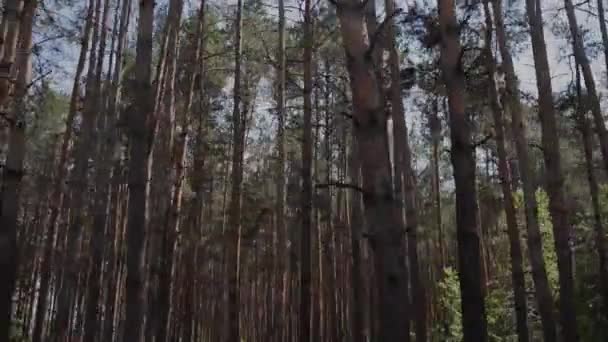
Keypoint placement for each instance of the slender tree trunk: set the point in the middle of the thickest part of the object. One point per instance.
(173, 145)
(113, 263)
(79, 186)
(463, 161)
(163, 144)
(114, 227)
(602, 21)
(328, 216)
(100, 202)
(318, 300)
(435, 130)
(11, 24)
(584, 128)
(281, 266)
(13, 174)
(141, 135)
(555, 181)
(517, 270)
(578, 47)
(404, 170)
(194, 215)
(234, 225)
(57, 196)
(544, 298)
(306, 218)
(382, 211)
(436, 136)
(356, 223)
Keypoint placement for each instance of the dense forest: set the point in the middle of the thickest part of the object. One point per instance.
(303, 171)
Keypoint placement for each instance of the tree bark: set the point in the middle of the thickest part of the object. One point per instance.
(100, 202)
(234, 224)
(141, 134)
(193, 220)
(406, 189)
(281, 266)
(161, 185)
(356, 223)
(555, 181)
(11, 24)
(171, 146)
(306, 205)
(578, 47)
(114, 227)
(382, 211)
(584, 127)
(544, 298)
(602, 21)
(78, 188)
(13, 174)
(57, 196)
(517, 269)
(463, 161)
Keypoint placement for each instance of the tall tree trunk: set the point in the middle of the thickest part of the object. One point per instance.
(435, 130)
(193, 220)
(318, 325)
(403, 170)
(11, 24)
(114, 239)
(141, 135)
(114, 235)
(578, 47)
(327, 215)
(306, 219)
(172, 147)
(463, 161)
(78, 188)
(280, 257)
(602, 21)
(544, 298)
(584, 128)
(164, 108)
(13, 174)
(517, 270)
(555, 181)
(234, 225)
(57, 196)
(357, 306)
(382, 211)
(100, 201)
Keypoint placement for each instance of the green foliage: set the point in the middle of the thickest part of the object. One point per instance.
(500, 314)
(48, 111)
(499, 298)
(17, 333)
(592, 323)
(546, 230)
(499, 311)
(449, 303)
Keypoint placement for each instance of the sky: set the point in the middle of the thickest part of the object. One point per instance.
(560, 68)
(557, 48)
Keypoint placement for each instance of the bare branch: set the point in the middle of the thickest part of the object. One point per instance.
(483, 141)
(340, 185)
(537, 146)
(40, 77)
(377, 35)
